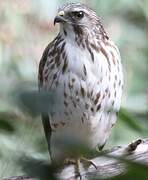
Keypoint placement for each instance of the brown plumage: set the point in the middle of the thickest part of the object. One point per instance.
(82, 65)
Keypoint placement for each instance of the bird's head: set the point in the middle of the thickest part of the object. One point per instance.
(78, 18)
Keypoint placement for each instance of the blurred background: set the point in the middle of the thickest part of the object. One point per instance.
(26, 27)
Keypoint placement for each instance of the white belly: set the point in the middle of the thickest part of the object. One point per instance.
(86, 104)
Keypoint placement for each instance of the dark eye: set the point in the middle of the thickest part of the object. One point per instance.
(78, 14)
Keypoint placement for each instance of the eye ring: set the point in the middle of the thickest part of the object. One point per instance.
(78, 14)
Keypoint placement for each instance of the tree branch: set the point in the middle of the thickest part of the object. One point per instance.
(108, 165)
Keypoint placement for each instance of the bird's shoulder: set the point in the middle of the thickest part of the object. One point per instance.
(43, 60)
(53, 48)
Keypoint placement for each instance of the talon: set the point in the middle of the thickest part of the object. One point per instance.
(89, 161)
(93, 164)
(69, 161)
(76, 163)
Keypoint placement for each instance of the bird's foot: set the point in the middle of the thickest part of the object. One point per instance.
(88, 161)
(68, 161)
(77, 162)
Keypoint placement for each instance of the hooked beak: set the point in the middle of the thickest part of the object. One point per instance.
(60, 18)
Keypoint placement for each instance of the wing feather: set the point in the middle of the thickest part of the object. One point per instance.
(45, 116)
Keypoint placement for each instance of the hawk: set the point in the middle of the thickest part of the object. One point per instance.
(83, 67)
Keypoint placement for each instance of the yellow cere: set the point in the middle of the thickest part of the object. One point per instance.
(61, 13)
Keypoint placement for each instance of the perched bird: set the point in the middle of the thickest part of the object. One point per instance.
(83, 67)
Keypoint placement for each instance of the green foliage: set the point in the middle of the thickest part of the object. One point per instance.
(26, 28)
(134, 171)
(129, 120)
(38, 168)
(6, 124)
(35, 102)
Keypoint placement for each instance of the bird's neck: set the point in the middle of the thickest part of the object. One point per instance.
(80, 35)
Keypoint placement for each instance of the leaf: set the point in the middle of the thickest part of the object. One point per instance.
(129, 121)
(36, 102)
(5, 123)
(6, 126)
(37, 168)
(72, 146)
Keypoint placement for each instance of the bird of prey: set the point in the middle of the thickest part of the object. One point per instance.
(83, 67)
